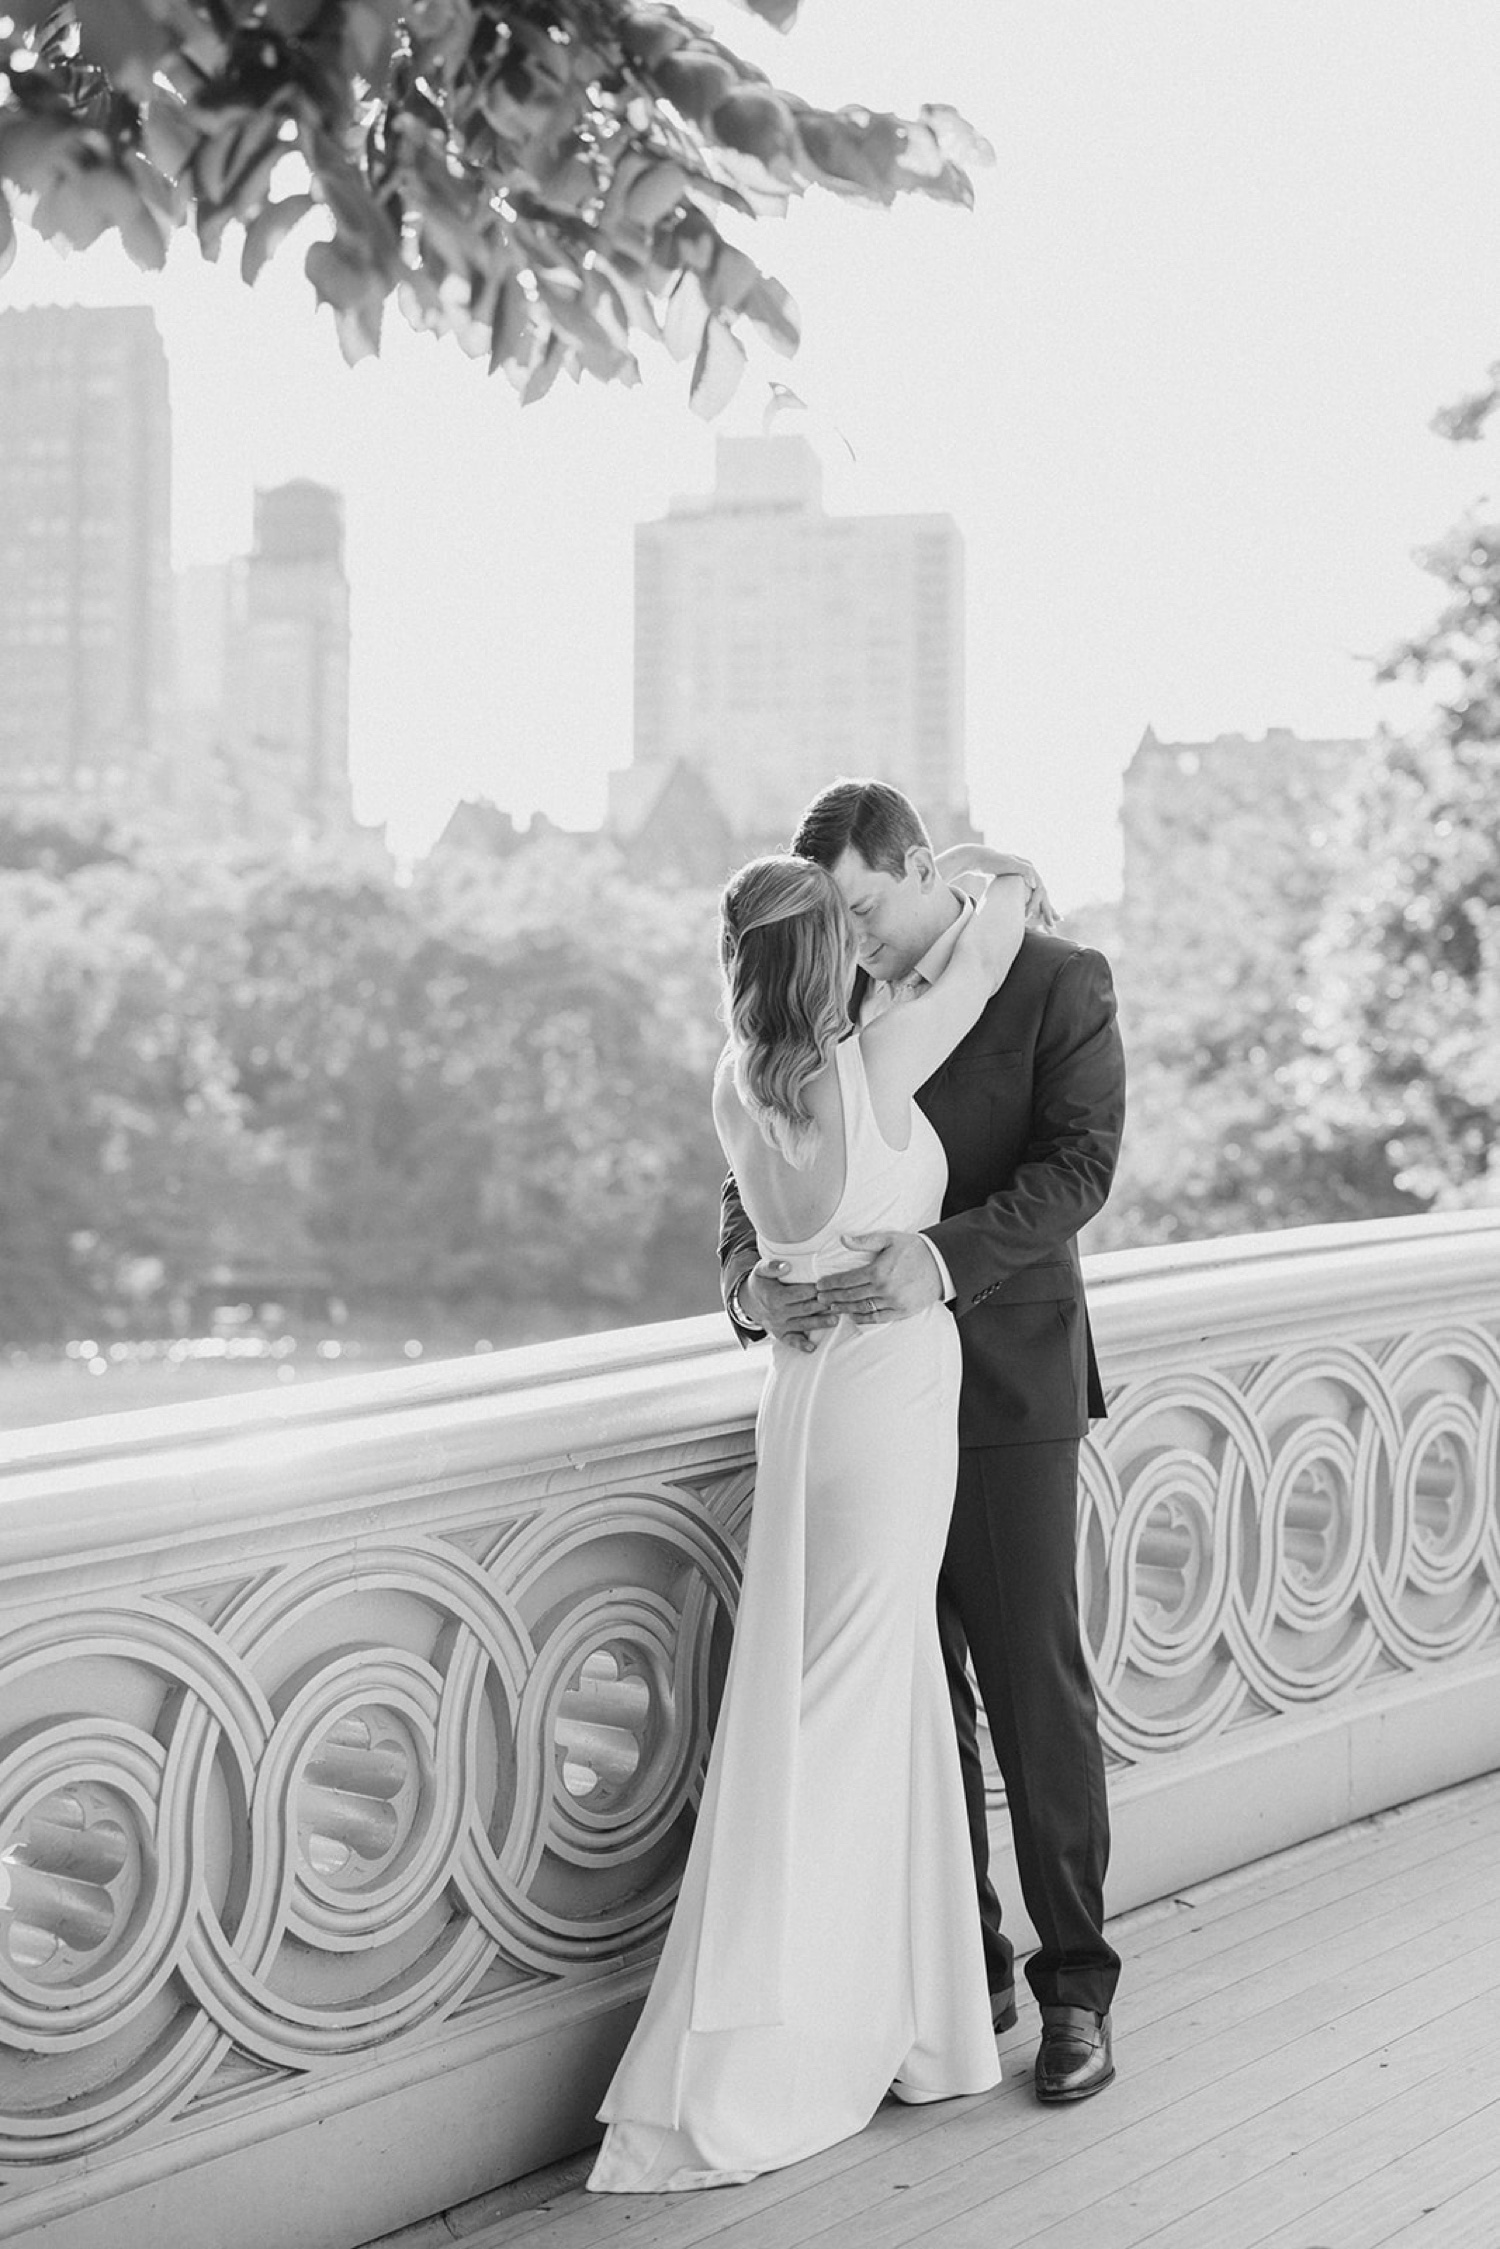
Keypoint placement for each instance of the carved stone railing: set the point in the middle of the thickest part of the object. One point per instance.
(1290, 1535)
(349, 1744)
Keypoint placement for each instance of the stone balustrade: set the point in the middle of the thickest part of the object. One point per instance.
(349, 1743)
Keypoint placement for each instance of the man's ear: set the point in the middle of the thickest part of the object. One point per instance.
(920, 862)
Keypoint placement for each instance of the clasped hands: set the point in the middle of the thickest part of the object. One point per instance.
(899, 1277)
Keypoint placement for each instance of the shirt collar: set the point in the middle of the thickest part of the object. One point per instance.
(937, 956)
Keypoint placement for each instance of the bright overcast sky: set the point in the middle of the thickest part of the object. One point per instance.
(1173, 379)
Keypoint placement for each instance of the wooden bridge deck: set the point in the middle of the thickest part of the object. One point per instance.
(1309, 2058)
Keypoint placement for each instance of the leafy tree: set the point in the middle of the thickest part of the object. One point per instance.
(544, 179)
(127, 1167)
(57, 847)
(485, 1092)
(1230, 851)
(478, 1105)
(1403, 1045)
(1335, 1051)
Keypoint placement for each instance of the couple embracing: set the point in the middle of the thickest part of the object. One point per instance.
(921, 1101)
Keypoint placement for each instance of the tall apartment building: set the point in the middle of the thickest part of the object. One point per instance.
(85, 563)
(285, 754)
(778, 646)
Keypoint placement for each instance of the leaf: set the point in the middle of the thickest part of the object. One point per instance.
(730, 279)
(853, 150)
(358, 327)
(511, 324)
(920, 154)
(145, 233)
(950, 185)
(292, 17)
(770, 308)
(164, 195)
(756, 121)
(682, 330)
(781, 13)
(268, 230)
(717, 371)
(27, 14)
(954, 135)
(545, 373)
(169, 137)
(354, 290)
(124, 37)
(779, 400)
(597, 351)
(225, 166)
(34, 150)
(347, 193)
(636, 308)
(79, 206)
(653, 193)
(1463, 422)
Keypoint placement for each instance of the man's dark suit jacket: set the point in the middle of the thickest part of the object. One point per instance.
(1029, 1108)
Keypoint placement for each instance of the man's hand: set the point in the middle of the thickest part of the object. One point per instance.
(789, 1310)
(900, 1278)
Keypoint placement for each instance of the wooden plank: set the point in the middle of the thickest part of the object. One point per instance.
(1424, 1896)
(1443, 2195)
(1384, 1842)
(1278, 1980)
(1151, 2099)
(957, 2147)
(703, 2217)
(1285, 2162)
(1240, 1908)
(1072, 2172)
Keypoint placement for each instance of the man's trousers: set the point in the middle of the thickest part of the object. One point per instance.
(1008, 1599)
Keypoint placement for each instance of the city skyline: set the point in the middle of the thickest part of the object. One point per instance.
(209, 703)
(1172, 379)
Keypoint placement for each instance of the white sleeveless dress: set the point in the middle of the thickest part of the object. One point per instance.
(825, 1948)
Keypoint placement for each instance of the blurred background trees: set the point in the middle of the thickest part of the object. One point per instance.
(1311, 997)
(474, 1100)
(1403, 1039)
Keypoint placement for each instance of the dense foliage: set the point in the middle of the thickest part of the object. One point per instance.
(548, 180)
(1403, 1041)
(1313, 1018)
(457, 1099)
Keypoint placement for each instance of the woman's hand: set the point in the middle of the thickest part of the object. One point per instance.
(982, 859)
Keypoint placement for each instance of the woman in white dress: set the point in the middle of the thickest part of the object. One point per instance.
(825, 1950)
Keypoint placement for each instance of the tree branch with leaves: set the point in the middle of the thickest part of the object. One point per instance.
(546, 180)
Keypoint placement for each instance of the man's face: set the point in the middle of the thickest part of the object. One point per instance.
(896, 917)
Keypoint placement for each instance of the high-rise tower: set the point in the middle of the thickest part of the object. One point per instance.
(288, 667)
(85, 565)
(778, 646)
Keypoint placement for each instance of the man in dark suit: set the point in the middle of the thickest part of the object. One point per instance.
(1029, 1108)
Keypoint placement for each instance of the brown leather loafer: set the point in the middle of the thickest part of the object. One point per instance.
(1076, 2056)
(1003, 2007)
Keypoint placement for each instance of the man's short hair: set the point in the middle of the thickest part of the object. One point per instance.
(869, 817)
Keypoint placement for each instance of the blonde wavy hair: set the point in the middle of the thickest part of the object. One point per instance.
(787, 952)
